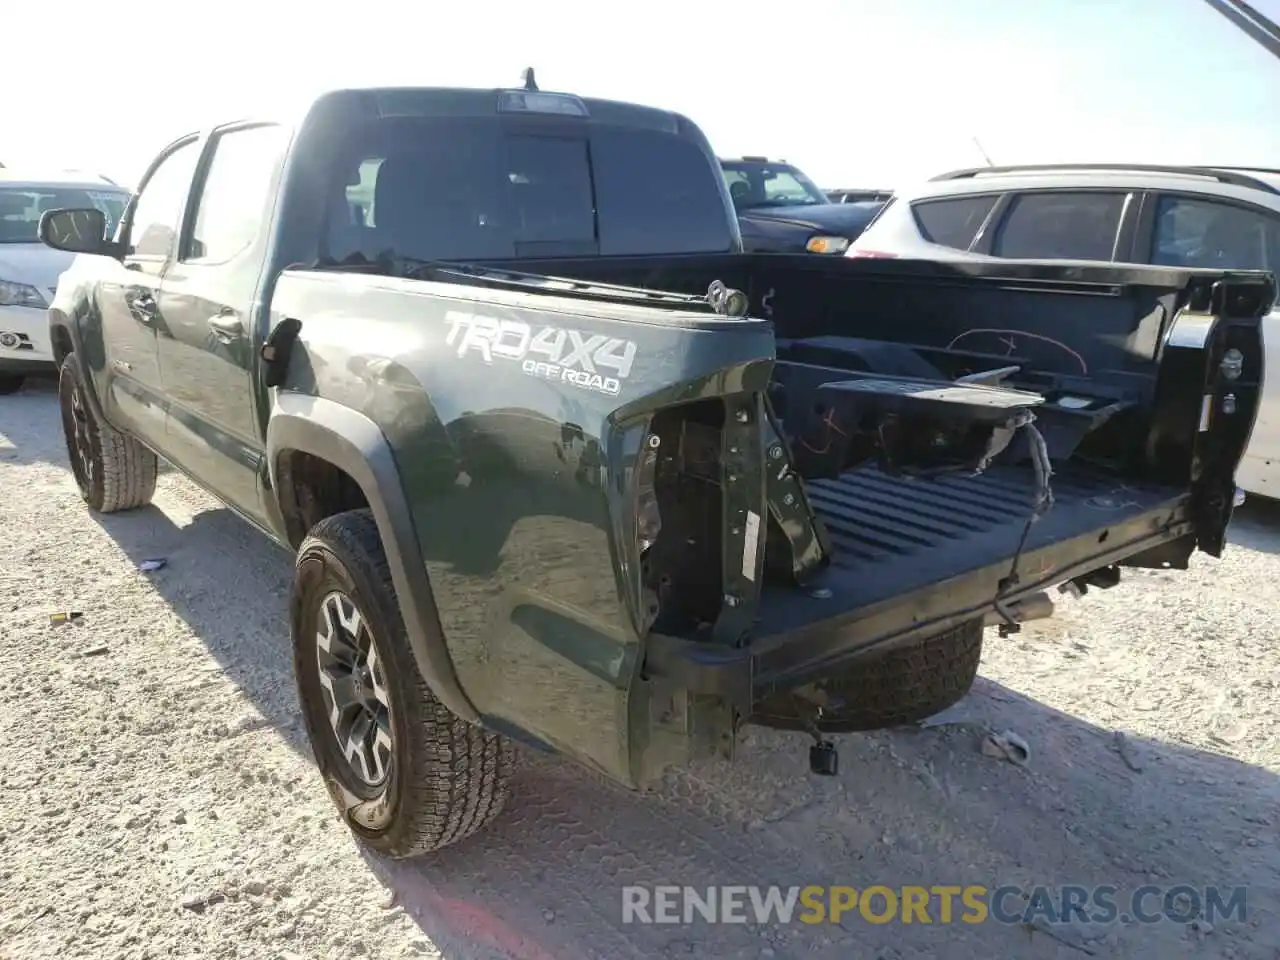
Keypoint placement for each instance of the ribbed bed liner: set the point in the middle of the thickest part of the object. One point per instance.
(892, 536)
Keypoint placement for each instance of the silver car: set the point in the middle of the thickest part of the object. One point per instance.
(29, 270)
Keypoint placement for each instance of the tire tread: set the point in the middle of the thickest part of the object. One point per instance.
(899, 687)
(125, 468)
(457, 777)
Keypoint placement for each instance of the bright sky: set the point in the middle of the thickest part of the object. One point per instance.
(856, 92)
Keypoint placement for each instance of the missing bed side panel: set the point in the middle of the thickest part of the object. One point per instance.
(682, 567)
(734, 514)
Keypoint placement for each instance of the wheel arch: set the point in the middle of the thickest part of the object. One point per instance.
(65, 341)
(347, 441)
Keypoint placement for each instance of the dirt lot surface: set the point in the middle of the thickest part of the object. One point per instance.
(158, 798)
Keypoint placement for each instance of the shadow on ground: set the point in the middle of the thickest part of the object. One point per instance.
(1256, 525)
(31, 420)
(913, 806)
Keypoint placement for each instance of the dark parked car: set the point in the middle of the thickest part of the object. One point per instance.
(857, 195)
(780, 210)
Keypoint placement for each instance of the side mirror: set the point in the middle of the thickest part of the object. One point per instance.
(75, 231)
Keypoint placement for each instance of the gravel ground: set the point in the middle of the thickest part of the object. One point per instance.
(160, 799)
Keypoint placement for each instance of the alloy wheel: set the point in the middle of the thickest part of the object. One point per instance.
(354, 687)
(82, 439)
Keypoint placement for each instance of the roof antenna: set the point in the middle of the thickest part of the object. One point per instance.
(527, 77)
(977, 143)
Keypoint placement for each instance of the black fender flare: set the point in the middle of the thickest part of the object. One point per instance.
(58, 320)
(353, 443)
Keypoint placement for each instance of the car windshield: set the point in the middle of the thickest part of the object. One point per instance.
(20, 207)
(755, 184)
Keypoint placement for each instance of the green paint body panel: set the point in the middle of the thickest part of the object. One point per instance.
(509, 480)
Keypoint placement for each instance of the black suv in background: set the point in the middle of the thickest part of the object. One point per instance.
(780, 210)
(857, 195)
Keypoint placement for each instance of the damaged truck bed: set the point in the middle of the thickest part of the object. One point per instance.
(906, 507)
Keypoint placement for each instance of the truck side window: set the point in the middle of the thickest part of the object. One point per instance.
(952, 222)
(159, 204)
(1205, 233)
(234, 194)
(1061, 225)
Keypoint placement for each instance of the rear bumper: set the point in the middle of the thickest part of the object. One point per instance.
(24, 340)
(782, 661)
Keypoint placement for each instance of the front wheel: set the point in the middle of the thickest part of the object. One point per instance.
(112, 469)
(409, 776)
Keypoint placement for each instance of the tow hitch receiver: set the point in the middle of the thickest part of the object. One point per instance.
(824, 759)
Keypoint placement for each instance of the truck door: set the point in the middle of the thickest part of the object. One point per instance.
(208, 301)
(128, 372)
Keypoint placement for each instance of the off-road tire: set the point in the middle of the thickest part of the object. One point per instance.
(447, 778)
(11, 383)
(899, 687)
(113, 470)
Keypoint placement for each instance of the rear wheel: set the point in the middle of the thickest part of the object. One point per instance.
(11, 382)
(408, 775)
(901, 686)
(113, 470)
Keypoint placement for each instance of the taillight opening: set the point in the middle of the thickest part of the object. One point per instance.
(677, 504)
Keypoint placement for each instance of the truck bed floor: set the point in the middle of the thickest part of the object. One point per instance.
(893, 536)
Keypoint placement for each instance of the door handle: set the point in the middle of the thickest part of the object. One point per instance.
(227, 327)
(144, 308)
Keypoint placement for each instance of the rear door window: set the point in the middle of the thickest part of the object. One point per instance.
(1205, 233)
(232, 204)
(953, 221)
(1061, 225)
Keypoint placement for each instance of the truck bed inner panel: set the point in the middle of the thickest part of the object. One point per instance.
(893, 536)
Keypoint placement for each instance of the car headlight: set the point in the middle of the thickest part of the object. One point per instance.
(825, 244)
(20, 295)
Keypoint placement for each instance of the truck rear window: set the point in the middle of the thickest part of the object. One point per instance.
(436, 189)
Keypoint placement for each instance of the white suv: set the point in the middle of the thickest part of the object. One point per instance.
(1216, 217)
(29, 270)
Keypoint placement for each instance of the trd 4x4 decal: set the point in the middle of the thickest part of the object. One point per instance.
(591, 361)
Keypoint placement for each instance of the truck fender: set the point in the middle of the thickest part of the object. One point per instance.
(62, 329)
(353, 443)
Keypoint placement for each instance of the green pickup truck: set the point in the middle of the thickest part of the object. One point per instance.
(563, 466)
